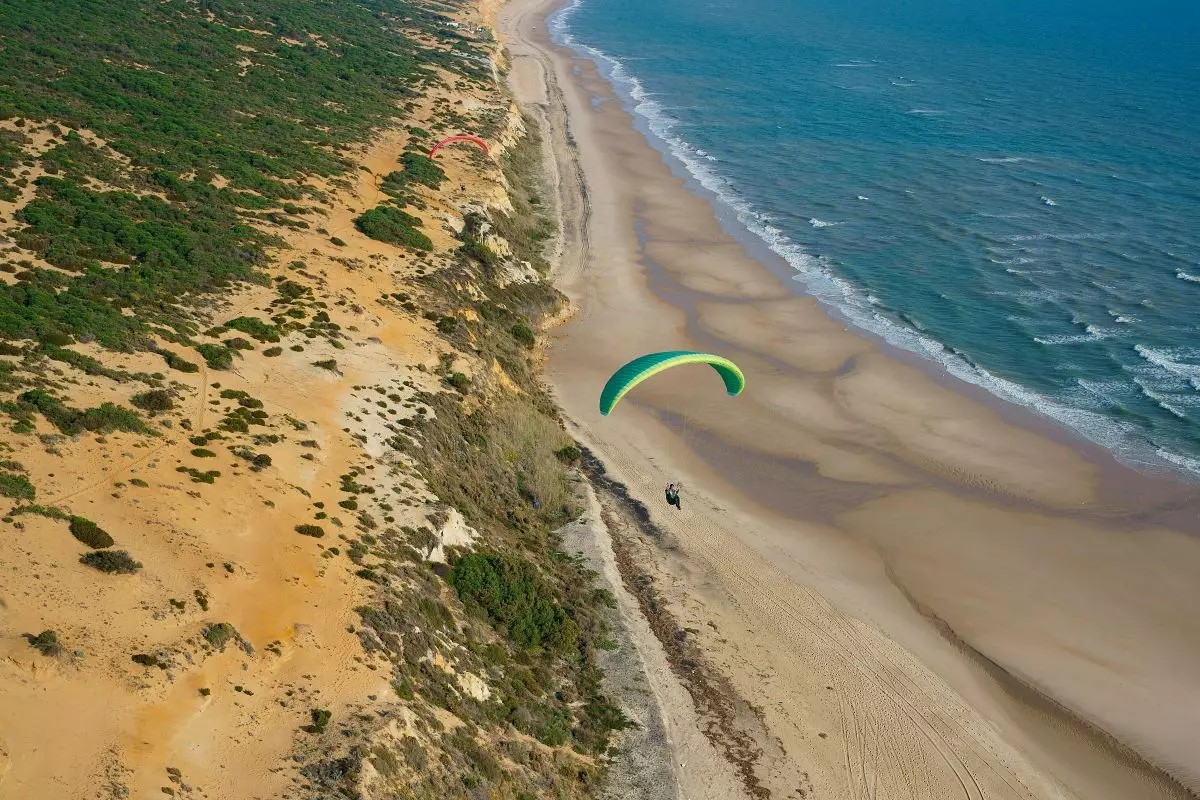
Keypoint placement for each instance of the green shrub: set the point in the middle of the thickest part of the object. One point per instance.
(271, 352)
(459, 381)
(112, 561)
(46, 643)
(569, 454)
(320, 721)
(200, 452)
(148, 660)
(106, 418)
(16, 486)
(89, 533)
(420, 168)
(218, 634)
(337, 241)
(216, 356)
(154, 400)
(515, 599)
(329, 364)
(315, 531)
(389, 224)
(523, 334)
(238, 343)
(177, 363)
(254, 327)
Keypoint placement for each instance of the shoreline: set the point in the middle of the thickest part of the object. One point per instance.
(1005, 401)
(846, 552)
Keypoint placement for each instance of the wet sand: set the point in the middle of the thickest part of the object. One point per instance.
(927, 593)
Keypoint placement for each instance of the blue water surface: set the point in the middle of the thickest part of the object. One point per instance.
(1010, 187)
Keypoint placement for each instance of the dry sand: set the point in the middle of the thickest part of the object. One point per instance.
(925, 593)
(91, 723)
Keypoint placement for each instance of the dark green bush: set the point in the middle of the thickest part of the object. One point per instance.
(89, 533)
(154, 400)
(420, 168)
(389, 224)
(216, 356)
(218, 634)
(320, 721)
(177, 363)
(523, 334)
(200, 452)
(112, 561)
(315, 531)
(515, 599)
(16, 486)
(254, 327)
(569, 454)
(106, 418)
(271, 352)
(46, 643)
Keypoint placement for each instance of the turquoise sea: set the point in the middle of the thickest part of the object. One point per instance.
(1008, 187)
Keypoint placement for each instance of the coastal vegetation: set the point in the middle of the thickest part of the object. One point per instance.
(158, 160)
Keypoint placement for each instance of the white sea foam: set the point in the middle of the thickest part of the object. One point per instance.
(820, 223)
(863, 197)
(1183, 276)
(1005, 160)
(1160, 400)
(1090, 334)
(844, 297)
(1169, 361)
(1189, 464)
(931, 112)
(1047, 201)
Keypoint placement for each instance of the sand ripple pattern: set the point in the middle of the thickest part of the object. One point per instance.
(905, 734)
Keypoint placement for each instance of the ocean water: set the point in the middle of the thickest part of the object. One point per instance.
(1009, 187)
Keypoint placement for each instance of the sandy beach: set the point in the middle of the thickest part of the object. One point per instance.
(915, 590)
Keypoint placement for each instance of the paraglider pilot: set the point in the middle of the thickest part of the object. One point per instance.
(673, 497)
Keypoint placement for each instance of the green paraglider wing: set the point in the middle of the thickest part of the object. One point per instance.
(645, 366)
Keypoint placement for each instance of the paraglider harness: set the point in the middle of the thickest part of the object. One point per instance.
(673, 497)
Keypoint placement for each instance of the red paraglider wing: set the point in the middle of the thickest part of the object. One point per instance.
(450, 139)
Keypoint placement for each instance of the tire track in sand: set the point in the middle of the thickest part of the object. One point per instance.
(905, 732)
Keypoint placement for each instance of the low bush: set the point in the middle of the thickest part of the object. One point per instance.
(16, 486)
(116, 562)
(320, 721)
(216, 356)
(255, 327)
(515, 599)
(389, 224)
(219, 634)
(523, 334)
(154, 400)
(46, 643)
(315, 531)
(89, 533)
(178, 363)
(106, 418)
